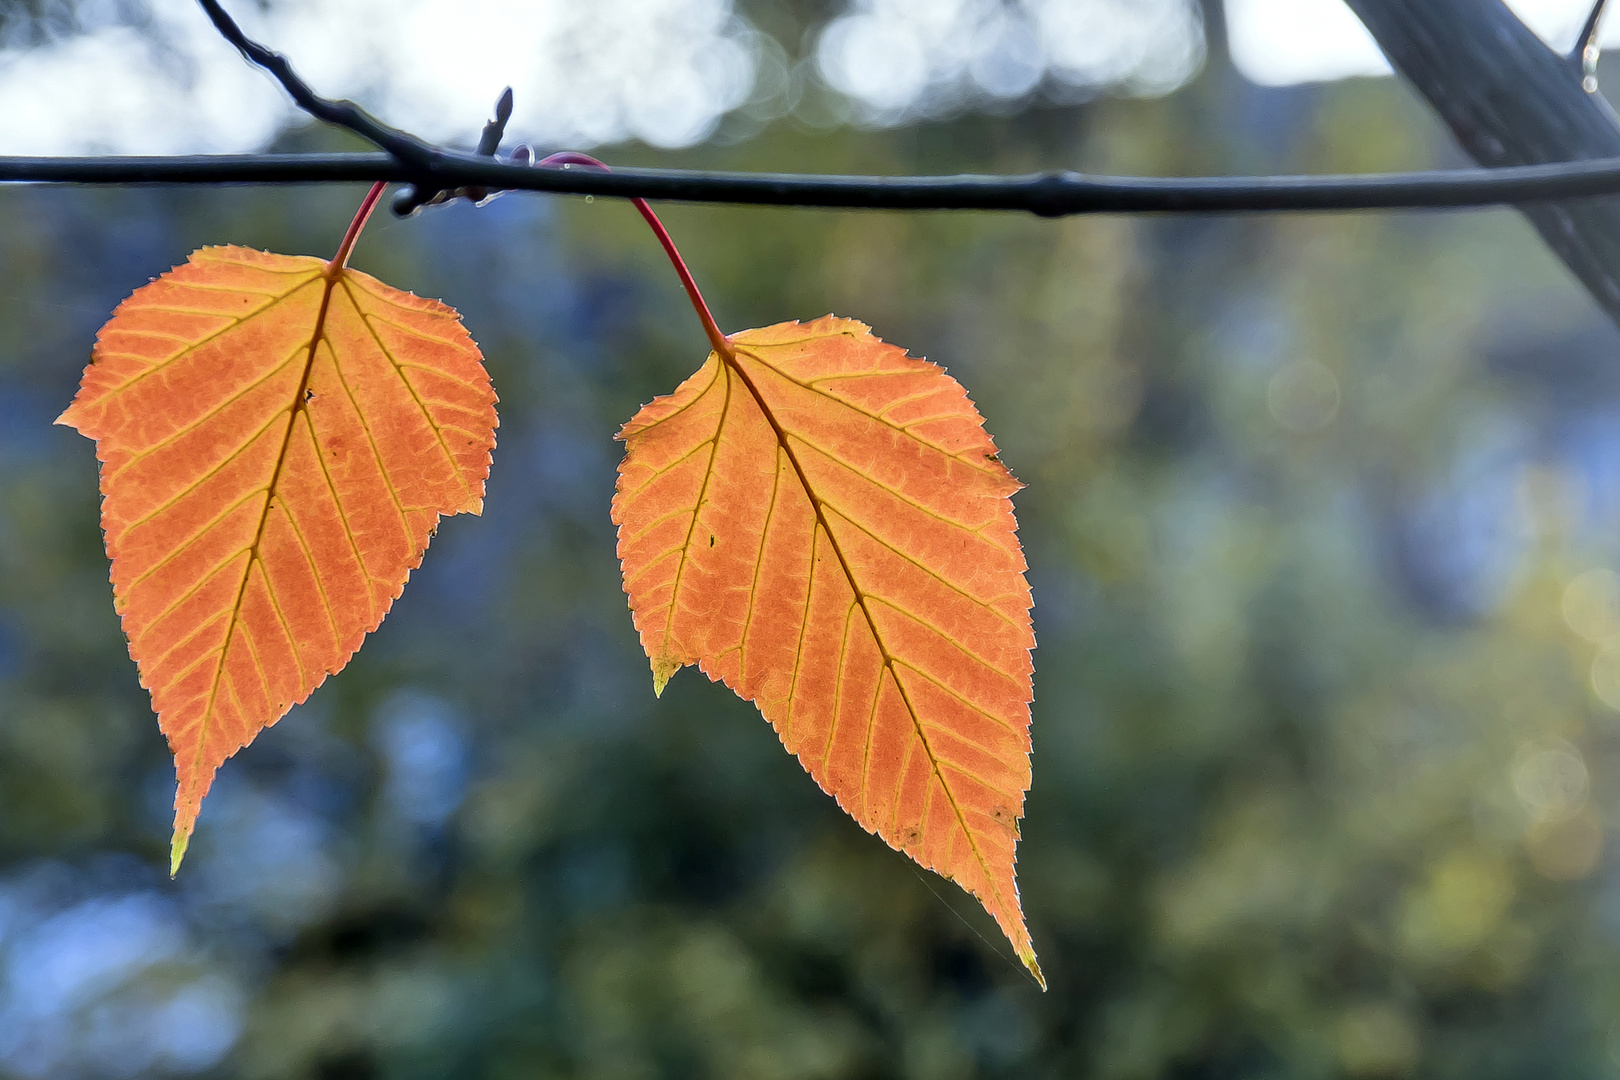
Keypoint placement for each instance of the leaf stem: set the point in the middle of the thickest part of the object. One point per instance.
(716, 338)
(367, 205)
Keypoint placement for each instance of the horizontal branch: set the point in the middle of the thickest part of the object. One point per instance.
(1049, 194)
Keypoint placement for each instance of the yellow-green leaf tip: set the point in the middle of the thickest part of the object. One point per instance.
(662, 669)
(177, 851)
(1034, 969)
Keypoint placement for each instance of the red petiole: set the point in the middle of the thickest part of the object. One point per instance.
(716, 338)
(564, 159)
(367, 205)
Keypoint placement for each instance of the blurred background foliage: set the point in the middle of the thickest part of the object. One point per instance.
(1323, 515)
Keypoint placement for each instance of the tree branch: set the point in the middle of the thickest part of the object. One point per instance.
(1511, 101)
(344, 114)
(417, 196)
(434, 170)
(1048, 194)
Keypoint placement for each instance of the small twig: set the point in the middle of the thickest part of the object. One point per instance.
(495, 130)
(1585, 54)
(345, 114)
(417, 196)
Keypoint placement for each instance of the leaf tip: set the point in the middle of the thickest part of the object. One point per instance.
(177, 851)
(1034, 968)
(662, 669)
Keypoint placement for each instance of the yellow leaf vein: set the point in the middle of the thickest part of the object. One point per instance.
(653, 524)
(798, 650)
(784, 342)
(975, 706)
(703, 491)
(945, 637)
(964, 455)
(663, 470)
(957, 735)
(230, 322)
(371, 441)
(884, 412)
(195, 588)
(653, 563)
(782, 438)
(258, 665)
(232, 290)
(929, 570)
(230, 456)
(179, 433)
(891, 491)
(759, 562)
(900, 785)
(456, 342)
(866, 749)
(136, 331)
(337, 505)
(320, 587)
(175, 551)
(697, 396)
(365, 318)
(838, 680)
(815, 384)
(153, 665)
(281, 620)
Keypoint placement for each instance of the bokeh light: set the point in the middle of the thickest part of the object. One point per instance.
(904, 58)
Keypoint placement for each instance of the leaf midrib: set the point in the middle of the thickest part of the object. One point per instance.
(730, 358)
(332, 276)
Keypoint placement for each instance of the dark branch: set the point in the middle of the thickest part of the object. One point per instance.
(1049, 194)
(1509, 100)
(495, 130)
(437, 174)
(417, 196)
(345, 114)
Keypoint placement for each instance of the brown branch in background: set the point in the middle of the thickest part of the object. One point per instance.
(1511, 101)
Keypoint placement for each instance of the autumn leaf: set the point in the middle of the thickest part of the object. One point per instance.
(820, 521)
(278, 437)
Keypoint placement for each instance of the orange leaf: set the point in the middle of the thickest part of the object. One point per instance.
(820, 521)
(278, 438)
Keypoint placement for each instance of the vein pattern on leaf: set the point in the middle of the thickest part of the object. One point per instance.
(278, 439)
(820, 521)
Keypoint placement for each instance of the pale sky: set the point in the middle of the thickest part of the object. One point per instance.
(584, 73)
(1278, 42)
(662, 71)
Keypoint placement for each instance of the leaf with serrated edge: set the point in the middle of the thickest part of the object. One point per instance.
(278, 437)
(820, 521)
